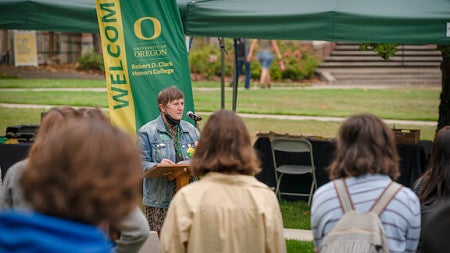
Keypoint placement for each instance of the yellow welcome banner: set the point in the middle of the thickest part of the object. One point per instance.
(144, 52)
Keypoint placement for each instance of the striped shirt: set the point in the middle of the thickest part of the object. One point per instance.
(401, 218)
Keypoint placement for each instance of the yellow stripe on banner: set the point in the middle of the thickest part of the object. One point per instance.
(120, 97)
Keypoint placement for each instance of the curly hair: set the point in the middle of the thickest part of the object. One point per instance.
(225, 147)
(86, 171)
(365, 144)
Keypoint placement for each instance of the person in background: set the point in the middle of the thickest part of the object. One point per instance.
(228, 209)
(433, 187)
(266, 50)
(79, 182)
(164, 140)
(366, 156)
(131, 233)
(242, 62)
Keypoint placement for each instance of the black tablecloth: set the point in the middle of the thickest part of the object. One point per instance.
(12, 153)
(414, 158)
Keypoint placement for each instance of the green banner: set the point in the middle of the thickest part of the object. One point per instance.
(144, 52)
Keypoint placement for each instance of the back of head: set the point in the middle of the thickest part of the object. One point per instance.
(53, 119)
(87, 171)
(440, 154)
(225, 146)
(439, 167)
(365, 144)
(93, 113)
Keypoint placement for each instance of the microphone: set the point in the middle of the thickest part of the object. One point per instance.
(193, 116)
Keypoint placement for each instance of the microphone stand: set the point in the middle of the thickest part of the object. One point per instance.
(197, 126)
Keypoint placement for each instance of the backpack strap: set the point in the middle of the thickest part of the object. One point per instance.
(386, 196)
(343, 195)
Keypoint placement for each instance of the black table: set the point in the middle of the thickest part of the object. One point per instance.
(414, 158)
(12, 153)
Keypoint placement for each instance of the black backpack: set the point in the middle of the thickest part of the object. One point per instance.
(241, 52)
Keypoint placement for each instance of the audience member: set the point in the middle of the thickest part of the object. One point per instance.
(228, 210)
(93, 113)
(366, 157)
(266, 49)
(164, 140)
(433, 187)
(436, 229)
(131, 233)
(52, 120)
(80, 181)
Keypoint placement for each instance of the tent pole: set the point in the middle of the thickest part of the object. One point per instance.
(236, 78)
(222, 73)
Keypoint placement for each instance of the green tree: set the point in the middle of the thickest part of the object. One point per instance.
(388, 50)
(444, 106)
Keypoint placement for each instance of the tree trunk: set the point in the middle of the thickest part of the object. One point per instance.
(97, 43)
(444, 106)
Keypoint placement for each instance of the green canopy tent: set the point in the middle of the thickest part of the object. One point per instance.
(386, 21)
(398, 21)
(77, 16)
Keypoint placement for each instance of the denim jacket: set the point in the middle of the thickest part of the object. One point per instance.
(157, 144)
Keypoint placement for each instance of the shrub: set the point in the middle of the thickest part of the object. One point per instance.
(91, 61)
(206, 62)
(300, 63)
(8, 76)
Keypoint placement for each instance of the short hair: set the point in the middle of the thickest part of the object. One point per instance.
(437, 175)
(87, 171)
(365, 144)
(225, 146)
(169, 94)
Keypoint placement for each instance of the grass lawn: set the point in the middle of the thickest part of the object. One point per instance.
(296, 214)
(412, 103)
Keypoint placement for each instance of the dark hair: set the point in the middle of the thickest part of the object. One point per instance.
(225, 147)
(437, 176)
(87, 171)
(365, 144)
(169, 94)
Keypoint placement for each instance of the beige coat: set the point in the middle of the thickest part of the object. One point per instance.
(223, 213)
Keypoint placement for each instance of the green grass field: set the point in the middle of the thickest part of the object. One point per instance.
(401, 104)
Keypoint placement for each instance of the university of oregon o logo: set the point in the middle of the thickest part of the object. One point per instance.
(138, 28)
